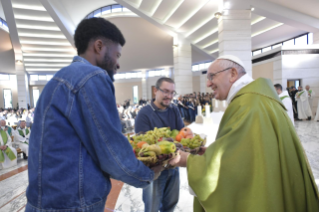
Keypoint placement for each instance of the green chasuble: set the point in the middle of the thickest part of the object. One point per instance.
(283, 97)
(257, 163)
(8, 151)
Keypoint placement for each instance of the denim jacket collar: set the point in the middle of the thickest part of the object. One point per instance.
(80, 59)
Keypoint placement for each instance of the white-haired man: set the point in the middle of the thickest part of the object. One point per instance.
(257, 162)
(311, 94)
(8, 155)
(304, 110)
(21, 135)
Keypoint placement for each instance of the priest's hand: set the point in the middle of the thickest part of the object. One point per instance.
(202, 150)
(3, 147)
(180, 159)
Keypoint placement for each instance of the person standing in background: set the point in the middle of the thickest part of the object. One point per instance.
(284, 97)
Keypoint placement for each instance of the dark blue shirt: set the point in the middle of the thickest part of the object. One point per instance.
(150, 117)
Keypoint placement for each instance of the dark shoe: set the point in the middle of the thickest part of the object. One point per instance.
(25, 156)
(309, 118)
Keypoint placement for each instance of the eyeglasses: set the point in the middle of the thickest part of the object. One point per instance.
(167, 93)
(210, 77)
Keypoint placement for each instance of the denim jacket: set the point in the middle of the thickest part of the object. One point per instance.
(76, 143)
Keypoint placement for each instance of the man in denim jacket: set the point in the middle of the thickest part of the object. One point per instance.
(76, 143)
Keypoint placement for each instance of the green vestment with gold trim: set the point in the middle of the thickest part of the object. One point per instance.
(257, 163)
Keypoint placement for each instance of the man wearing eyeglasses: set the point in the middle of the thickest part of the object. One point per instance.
(163, 193)
(257, 162)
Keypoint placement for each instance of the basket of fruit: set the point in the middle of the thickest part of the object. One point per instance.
(158, 146)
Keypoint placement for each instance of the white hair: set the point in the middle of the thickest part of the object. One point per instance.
(228, 63)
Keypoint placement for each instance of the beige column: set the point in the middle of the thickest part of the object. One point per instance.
(183, 75)
(234, 35)
(144, 85)
(316, 37)
(23, 86)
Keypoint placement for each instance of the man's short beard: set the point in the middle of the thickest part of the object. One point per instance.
(109, 65)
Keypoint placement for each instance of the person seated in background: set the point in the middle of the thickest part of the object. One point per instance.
(8, 154)
(4, 125)
(21, 135)
(284, 97)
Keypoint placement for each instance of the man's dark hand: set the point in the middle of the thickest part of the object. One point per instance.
(157, 171)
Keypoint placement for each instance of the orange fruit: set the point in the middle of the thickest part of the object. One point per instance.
(141, 143)
(179, 137)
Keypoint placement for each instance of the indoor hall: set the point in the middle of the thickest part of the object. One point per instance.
(278, 41)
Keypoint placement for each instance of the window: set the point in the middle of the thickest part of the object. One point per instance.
(34, 77)
(4, 77)
(276, 45)
(202, 66)
(126, 10)
(301, 40)
(266, 49)
(116, 8)
(42, 77)
(36, 95)
(135, 94)
(195, 68)
(310, 38)
(7, 96)
(155, 73)
(256, 52)
(97, 13)
(49, 77)
(91, 15)
(106, 10)
(289, 43)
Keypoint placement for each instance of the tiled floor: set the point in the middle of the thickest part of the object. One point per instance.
(12, 189)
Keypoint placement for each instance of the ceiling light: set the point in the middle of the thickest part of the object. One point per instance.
(200, 6)
(47, 49)
(216, 50)
(211, 43)
(48, 60)
(41, 35)
(45, 64)
(206, 35)
(218, 15)
(200, 25)
(28, 7)
(252, 9)
(22, 26)
(45, 43)
(258, 20)
(34, 18)
(47, 55)
(155, 7)
(172, 11)
(265, 30)
(42, 69)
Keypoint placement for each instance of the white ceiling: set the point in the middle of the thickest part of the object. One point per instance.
(149, 40)
(310, 7)
(1, 12)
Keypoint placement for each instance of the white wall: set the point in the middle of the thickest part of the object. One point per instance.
(10, 84)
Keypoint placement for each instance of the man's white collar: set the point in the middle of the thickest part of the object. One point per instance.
(284, 93)
(239, 84)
